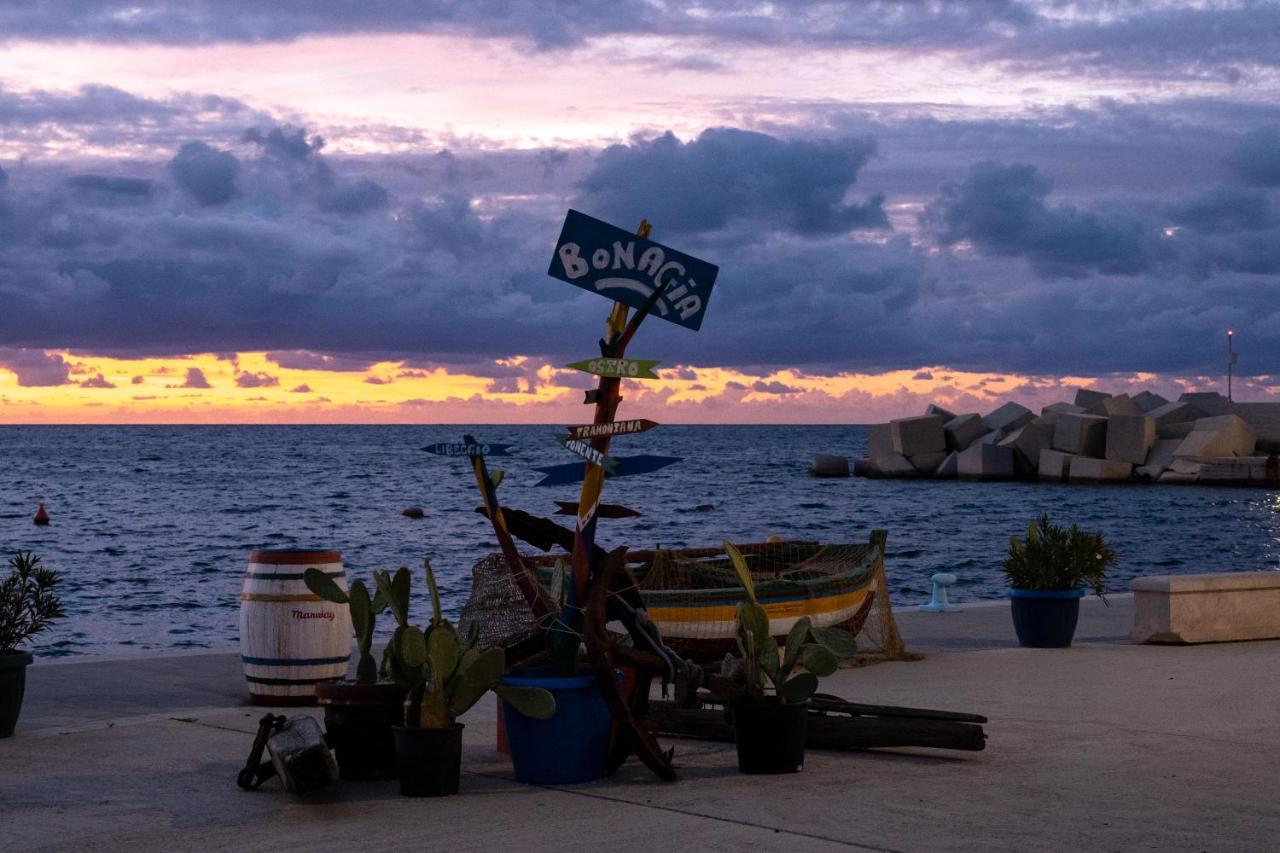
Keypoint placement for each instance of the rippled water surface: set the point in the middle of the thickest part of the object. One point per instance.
(152, 526)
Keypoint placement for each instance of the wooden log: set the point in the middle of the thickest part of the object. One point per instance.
(827, 730)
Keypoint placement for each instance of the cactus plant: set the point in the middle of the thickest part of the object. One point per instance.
(818, 650)
(364, 612)
(444, 673)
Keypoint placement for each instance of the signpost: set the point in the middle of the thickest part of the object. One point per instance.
(602, 510)
(622, 368)
(624, 466)
(612, 428)
(626, 268)
(587, 452)
(477, 449)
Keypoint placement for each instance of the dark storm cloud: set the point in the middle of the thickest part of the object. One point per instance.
(727, 175)
(195, 379)
(1002, 210)
(1020, 268)
(111, 185)
(205, 172)
(1083, 37)
(256, 380)
(97, 381)
(35, 368)
(1256, 158)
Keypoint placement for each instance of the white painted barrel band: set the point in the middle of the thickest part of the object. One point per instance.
(293, 661)
(289, 576)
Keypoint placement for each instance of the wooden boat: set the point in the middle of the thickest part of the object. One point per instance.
(692, 593)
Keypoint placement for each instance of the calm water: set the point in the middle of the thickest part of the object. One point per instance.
(152, 526)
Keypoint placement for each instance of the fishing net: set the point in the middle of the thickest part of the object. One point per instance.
(691, 595)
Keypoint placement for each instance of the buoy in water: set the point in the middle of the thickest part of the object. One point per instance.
(413, 512)
(42, 517)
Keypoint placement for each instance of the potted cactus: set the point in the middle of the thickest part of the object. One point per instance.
(358, 715)
(1048, 573)
(768, 699)
(28, 605)
(444, 675)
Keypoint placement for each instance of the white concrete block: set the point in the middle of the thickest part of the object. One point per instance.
(927, 463)
(1130, 438)
(1086, 469)
(1158, 459)
(935, 409)
(922, 434)
(1084, 435)
(1146, 401)
(894, 465)
(1210, 608)
(1087, 399)
(1172, 413)
(1120, 404)
(879, 440)
(1224, 435)
(963, 430)
(1210, 403)
(986, 462)
(865, 468)
(1178, 431)
(1009, 417)
(1054, 465)
(950, 467)
(1028, 441)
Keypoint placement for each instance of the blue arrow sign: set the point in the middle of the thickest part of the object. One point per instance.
(617, 264)
(563, 475)
(460, 449)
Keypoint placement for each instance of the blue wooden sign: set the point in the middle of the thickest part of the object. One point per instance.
(617, 264)
(460, 449)
(561, 475)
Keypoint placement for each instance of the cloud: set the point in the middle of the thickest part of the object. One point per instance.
(922, 374)
(111, 185)
(205, 172)
(301, 389)
(773, 387)
(36, 368)
(1001, 209)
(1224, 210)
(727, 175)
(377, 380)
(97, 381)
(1255, 160)
(256, 380)
(195, 379)
(304, 360)
(138, 380)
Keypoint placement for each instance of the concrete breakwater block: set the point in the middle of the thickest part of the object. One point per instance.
(935, 409)
(1147, 401)
(1087, 398)
(927, 463)
(1054, 465)
(1083, 435)
(1120, 404)
(894, 465)
(963, 430)
(1206, 608)
(950, 467)
(1008, 417)
(879, 440)
(1130, 438)
(986, 462)
(1209, 403)
(912, 436)
(1224, 435)
(1240, 470)
(1028, 441)
(1086, 469)
(1173, 413)
(829, 466)
(1159, 459)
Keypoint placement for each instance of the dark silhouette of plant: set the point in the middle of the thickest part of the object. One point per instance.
(28, 603)
(1054, 557)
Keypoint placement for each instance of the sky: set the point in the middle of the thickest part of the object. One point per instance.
(334, 212)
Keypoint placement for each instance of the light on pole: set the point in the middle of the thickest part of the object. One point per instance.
(1231, 361)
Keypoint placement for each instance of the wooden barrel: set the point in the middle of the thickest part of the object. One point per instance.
(290, 639)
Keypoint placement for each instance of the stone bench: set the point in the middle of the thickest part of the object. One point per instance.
(1206, 608)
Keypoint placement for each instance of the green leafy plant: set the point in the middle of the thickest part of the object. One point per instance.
(764, 664)
(28, 600)
(1054, 557)
(446, 674)
(364, 611)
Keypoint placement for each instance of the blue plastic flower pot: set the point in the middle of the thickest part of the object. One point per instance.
(569, 747)
(1045, 618)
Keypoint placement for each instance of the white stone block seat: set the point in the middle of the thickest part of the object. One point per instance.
(1211, 608)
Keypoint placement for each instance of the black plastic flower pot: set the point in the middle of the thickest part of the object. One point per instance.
(1045, 618)
(357, 721)
(13, 683)
(429, 761)
(770, 736)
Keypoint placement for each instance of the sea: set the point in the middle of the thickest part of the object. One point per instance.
(152, 525)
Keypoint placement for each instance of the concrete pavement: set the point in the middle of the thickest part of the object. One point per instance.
(1104, 746)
